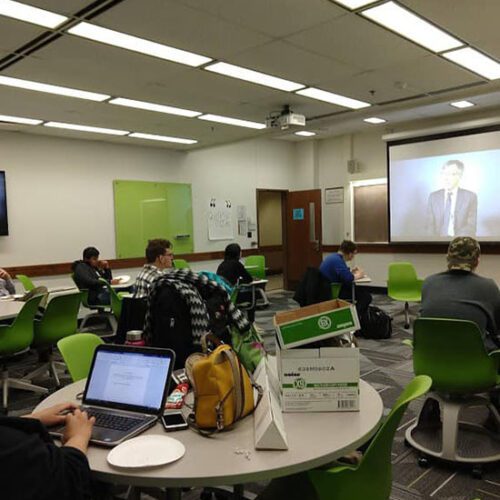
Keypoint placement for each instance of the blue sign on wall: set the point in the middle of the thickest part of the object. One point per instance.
(298, 214)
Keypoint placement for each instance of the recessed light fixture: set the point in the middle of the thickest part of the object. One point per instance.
(163, 138)
(232, 121)
(250, 75)
(475, 61)
(149, 106)
(34, 15)
(375, 120)
(18, 119)
(136, 44)
(86, 128)
(462, 104)
(52, 89)
(305, 133)
(340, 100)
(404, 22)
(354, 4)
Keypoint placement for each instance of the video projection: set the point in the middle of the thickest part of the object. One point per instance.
(4, 225)
(445, 186)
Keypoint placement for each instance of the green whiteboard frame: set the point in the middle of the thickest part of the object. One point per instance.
(146, 210)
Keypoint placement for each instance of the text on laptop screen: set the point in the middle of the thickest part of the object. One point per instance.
(128, 378)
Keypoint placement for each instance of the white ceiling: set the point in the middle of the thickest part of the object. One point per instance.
(314, 42)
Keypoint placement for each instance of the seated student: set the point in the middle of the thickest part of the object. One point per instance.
(460, 293)
(33, 467)
(334, 268)
(6, 285)
(159, 256)
(234, 272)
(88, 272)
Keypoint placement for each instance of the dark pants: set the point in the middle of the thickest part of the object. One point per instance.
(363, 299)
(296, 487)
(247, 297)
(101, 299)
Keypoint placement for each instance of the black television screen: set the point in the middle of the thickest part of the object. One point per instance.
(4, 225)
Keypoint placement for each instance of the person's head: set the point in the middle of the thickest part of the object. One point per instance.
(232, 252)
(91, 256)
(463, 254)
(159, 252)
(348, 249)
(451, 174)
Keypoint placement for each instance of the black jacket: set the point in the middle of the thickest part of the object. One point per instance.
(313, 288)
(33, 467)
(232, 271)
(87, 278)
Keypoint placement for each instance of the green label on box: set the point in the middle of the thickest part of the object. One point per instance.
(315, 326)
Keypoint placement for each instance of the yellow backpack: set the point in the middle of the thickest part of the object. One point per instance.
(223, 390)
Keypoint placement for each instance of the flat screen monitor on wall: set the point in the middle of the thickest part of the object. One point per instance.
(4, 226)
(444, 186)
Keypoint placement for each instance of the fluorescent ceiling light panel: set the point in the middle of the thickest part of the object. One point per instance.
(34, 15)
(232, 121)
(340, 100)
(475, 61)
(85, 128)
(250, 75)
(51, 89)
(406, 23)
(18, 119)
(164, 138)
(150, 106)
(462, 104)
(354, 4)
(375, 120)
(305, 133)
(136, 44)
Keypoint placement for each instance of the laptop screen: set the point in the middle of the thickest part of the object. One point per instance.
(129, 380)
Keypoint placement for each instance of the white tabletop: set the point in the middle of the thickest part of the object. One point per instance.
(10, 308)
(314, 439)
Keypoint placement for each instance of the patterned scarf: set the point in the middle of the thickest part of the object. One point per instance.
(189, 285)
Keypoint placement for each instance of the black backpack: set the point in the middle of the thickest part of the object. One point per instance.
(171, 324)
(376, 324)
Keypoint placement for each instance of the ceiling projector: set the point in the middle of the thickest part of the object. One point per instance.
(285, 120)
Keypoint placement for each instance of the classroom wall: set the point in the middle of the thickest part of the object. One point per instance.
(60, 192)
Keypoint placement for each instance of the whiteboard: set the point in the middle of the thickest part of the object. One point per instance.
(220, 220)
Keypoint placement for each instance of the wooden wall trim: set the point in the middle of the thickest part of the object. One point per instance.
(427, 248)
(65, 267)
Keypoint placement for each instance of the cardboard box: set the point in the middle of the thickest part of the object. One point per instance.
(325, 379)
(317, 322)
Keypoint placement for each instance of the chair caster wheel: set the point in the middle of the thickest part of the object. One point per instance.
(477, 472)
(423, 462)
(407, 326)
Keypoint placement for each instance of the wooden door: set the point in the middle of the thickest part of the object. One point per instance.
(303, 234)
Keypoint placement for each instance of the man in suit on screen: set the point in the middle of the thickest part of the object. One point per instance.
(452, 211)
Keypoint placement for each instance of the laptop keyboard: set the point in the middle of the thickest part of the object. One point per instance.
(115, 422)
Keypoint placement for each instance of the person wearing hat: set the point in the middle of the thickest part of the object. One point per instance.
(460, 293)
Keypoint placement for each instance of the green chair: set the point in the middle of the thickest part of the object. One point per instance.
(452, 353)
(26, 282)
(77, 351)
(116, 300)
(372, 478)
(15, 340)
(335, 290)
(256, 266)
(403, 285)
(59, 320)
(181, 264)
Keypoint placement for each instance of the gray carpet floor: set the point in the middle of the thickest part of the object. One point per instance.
(387, 365)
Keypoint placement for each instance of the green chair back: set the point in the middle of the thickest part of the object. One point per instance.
(452, 353)
(26, 282)
(19, 335)
(115, 300)
(77, 351)
(403, 283)
(59, 320)
(85, 298)
(181, 264)
(335, 290)
(372, 478)
(259, 261)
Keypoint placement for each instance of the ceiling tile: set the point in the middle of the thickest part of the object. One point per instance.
(357, 42)
(275, 18)
(14, 34)
(64, 7)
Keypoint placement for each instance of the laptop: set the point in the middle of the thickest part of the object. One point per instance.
(125, 391)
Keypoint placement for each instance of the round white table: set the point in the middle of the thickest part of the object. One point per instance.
(314, 439)
(10, 308)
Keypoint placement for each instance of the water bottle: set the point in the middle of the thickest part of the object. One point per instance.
(134, 338)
